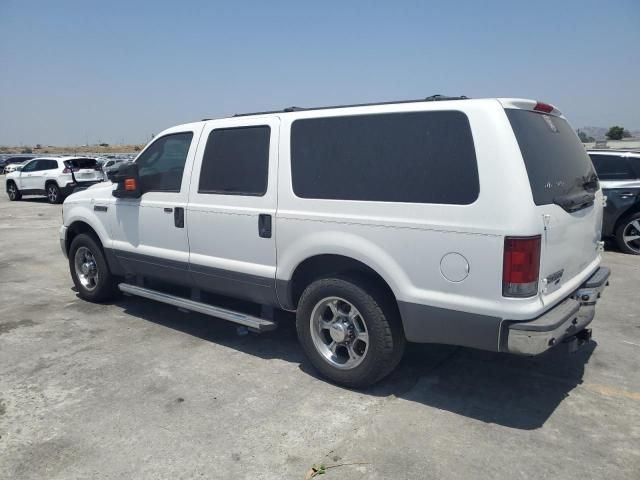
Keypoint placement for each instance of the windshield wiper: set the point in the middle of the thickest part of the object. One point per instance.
(572, 202)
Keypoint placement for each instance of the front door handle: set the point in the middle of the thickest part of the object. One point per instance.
(264, 225)
(178, 217)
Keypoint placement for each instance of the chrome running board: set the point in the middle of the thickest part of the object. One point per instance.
(253, 323)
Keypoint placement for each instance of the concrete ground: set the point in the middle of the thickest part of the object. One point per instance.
(136, 389)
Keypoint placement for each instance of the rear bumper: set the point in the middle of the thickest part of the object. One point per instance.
(563, 321)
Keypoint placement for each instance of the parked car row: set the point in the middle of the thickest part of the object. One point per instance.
(54, 177)
(619, 174)
(9, 164)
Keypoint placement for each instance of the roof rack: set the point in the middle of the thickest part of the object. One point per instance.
(432, 98)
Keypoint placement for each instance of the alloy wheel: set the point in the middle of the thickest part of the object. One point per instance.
(339, 333)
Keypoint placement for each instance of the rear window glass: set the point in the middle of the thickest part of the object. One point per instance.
(414, 157)
(81, 163)
(557, 163)
(612, 167)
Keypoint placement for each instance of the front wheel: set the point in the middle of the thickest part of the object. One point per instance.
(89, 270)
(628, 234)
(350, 333)
(13, 192)
(54, 195)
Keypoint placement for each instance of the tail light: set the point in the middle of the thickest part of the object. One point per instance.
(543, 107)
(69, 170)
(521, 266)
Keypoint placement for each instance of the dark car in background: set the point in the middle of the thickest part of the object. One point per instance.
(619, 174)
(10, 160)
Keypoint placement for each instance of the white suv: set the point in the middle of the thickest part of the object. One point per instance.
(54, 177)
(445, 220)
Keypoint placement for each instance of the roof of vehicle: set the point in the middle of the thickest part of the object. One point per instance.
(512, 103)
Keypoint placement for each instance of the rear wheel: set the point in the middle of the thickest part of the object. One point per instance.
(349, 331)
(89, 269)
(13, 192)
(54, 195)
(628, 234)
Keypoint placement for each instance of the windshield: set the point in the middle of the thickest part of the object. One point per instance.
(557, 163)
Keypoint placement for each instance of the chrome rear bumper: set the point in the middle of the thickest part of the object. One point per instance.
(563, 321)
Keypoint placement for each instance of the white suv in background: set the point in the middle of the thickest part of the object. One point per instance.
(472, 222)
(54, 177)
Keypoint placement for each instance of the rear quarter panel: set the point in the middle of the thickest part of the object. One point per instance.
(406, 242)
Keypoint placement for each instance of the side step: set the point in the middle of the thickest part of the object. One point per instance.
(253, 323)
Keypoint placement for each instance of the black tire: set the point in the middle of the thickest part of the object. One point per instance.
(386, 339)
(54, 195)
(105, 287)
(13, 192)
(630, 225)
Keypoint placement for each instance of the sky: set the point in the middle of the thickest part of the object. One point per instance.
(114, 71)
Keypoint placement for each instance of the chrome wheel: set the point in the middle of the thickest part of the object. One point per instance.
(86, 268)
(631, 235)
(339, 333)
(12, 191)
(52, 193)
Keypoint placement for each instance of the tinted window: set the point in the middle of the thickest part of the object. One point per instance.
(31, 166)
(162, 164)
(557, 163)
(417, 157)
(236, 161)
(48, 165)
(612, 167)
(81, 163)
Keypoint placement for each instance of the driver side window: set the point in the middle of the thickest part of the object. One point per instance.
(161, 166)
(31, 166)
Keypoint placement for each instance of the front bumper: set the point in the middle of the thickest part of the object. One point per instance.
(563, 321)
(63, 239)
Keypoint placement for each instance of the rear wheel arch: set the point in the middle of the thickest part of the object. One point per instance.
(332, 265)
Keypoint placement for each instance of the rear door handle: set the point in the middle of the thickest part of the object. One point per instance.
(168, 210)
(178, 217)
(264, 225)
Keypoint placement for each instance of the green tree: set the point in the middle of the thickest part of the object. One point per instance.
(626, 134)
(615, 133)
(26, 150)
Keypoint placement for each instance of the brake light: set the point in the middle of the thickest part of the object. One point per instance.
(69, 170)
(543, 107)
(521, 266)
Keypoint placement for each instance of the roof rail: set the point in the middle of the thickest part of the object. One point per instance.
(432, 98)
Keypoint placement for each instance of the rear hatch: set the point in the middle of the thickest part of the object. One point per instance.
(85, 169)
(566, 193)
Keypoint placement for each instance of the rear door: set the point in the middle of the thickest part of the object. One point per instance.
(566, 194)
(232, 207)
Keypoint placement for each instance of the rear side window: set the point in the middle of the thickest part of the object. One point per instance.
(414, 157)
(612, 167)
(236, 161)
(557, 164)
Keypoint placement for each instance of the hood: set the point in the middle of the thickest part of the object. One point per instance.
(99, 191)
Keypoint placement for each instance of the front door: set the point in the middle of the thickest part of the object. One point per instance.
(149, 233)
(231, 211)
(29, 176)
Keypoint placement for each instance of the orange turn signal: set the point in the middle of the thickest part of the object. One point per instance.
(130, 184)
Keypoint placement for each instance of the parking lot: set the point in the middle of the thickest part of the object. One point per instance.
(135, 389)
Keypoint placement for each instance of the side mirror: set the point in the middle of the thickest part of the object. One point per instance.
(127, 179)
